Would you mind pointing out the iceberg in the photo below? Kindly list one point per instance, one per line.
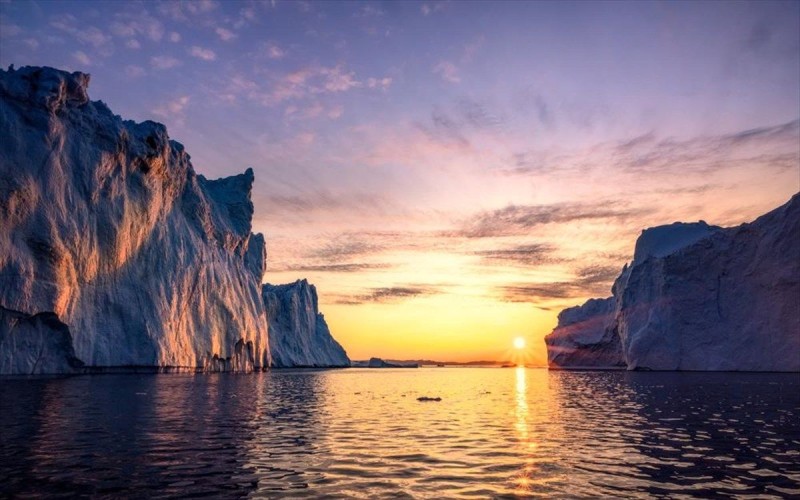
(113, 251)
(696, 297)
(298, 333)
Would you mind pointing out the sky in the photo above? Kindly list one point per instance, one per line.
(450, 175)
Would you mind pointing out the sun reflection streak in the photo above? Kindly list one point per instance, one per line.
(522, 480)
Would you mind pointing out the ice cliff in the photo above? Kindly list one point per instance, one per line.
(113, 251)
(585, 337)
(298, 333)
(696, 297)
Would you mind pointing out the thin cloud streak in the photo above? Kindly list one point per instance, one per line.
(521, 219)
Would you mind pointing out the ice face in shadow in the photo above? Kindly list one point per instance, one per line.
(585, 337)
(105, 228)
(298, 333)
(729, 301)
(696, 297)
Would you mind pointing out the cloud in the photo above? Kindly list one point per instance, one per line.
(331, 268)
(369, 10)
(225, 35)
(454, 127)
(379, 83)
(174, 37)
(428, 9)
(134, 71)
(445, 129)
(32, 43)
(345, 246)
(273, 51)
(477, 115)
(200, 6)
(184, 10)
(531, 255)
(201, 53)
(87, 35)
(94, 36)
(388, 294)
(173, 110)
(323, 201)
(590, 281)
(82, 58)
(338, 80)
(598, 274)
(447, 71)
(472, 48)
(163, 62)
(521, 219)
(335, 112)
(137, 24)
(314, 110)
(9, 30)
(133, 44)
(308, 81)
(772, 147)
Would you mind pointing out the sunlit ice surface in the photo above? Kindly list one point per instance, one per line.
(360, 433)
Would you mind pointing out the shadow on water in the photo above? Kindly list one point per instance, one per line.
(713, 434)
(178, 435)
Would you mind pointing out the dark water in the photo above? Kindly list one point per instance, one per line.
(362, 433)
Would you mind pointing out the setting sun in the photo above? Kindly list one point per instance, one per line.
(519, 343)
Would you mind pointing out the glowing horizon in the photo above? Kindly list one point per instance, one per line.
(451, 175)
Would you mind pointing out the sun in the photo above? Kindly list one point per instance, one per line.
(519, 343)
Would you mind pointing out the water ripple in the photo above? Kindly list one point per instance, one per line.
(504, 433)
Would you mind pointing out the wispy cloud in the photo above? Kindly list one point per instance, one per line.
(173, 110)
(331, 268)
(225, 35)
(379, 83)
(308, 81)
(273, 51)
(82, 58)
(345, 246)
(164, 62)
(86, 35)
(138, 23)
(520, 219)
(429, 8)
(458, 124)
(323, 201)
(591, 281)
(531, 255)
(202, 53)
(772, 147)
(447, 71)
(9, 30)
(185, 10)
(389, 294)
(134, 71)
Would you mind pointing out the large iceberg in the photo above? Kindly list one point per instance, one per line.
(697, 297)
(298, 333)
(113, 251)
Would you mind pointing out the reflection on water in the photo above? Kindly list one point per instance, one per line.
(363, 433)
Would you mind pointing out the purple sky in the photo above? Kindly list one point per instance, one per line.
(450, 174)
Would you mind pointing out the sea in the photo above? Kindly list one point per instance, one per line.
(364, 433)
